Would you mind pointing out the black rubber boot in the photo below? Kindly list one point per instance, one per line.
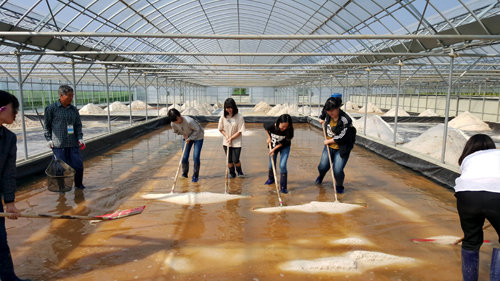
(240, 172)
(470, 265)
(319, 179)
(232, 172)
(340, 189)
(79, 179)
(196, 172)
(283, 183)
(270, 177)
(495, 265)
(185, 170)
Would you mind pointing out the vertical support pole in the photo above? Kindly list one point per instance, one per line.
(366, 98)
(447, 108)
(400, 64)
(484, 99)
(107, 97)
(75, 97)
(319, 98)
(129, 98)
(21, 102)
(157, 96)
(146, 93)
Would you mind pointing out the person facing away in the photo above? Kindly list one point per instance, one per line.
(192, 133)
(63, 132)
(232, 126)
(279, 135)
(9, 106)
(340, 138)
(477, 190)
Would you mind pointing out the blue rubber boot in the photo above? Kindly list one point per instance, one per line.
(283, 183)
(185, 170)
(240, 172)
(232, 172)
(270, 177)
(470, 265)
(196, 172)
(495, 265)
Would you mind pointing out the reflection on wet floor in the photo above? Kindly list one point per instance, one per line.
(228, 240)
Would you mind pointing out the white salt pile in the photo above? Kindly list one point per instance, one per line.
(370, 109)
(377, 128)
(428, 113)
(313, 207)
(17, 124)
(358, 241)
(190, 111)
(430, 141)
(163, 111)
(275, 111)
(192, 198)
(139, 105)
(262, 107)
(91, 108)
(350, 106)
(351, 262)
(204, 109)
(466, 121)
(392, 112)
(117, 107)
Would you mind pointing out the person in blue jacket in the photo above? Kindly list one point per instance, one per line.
(9, 106)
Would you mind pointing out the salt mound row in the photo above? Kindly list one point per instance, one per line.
(17, 124)
(313, 207)
(117, 107)
(280, 109)
(352, 241)
(176, 106)
(392, 112)
(262, 107)
(349, 106)
(370, 109)
(351, 262)
(430, 141)
(91, 108)
(139, 105)
(377, 128)
(428, 113)
(468, 122)
(190, 111)
(192, 198)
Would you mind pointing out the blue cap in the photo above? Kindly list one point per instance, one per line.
(336, 95)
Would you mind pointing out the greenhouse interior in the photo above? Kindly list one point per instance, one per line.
(417, 78)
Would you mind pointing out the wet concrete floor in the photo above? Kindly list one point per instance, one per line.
(230, 241)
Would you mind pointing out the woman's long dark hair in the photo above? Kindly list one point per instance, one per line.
(286, 118)
(476, 143)
(229, 102)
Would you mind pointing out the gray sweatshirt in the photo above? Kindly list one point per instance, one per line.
(189, 127)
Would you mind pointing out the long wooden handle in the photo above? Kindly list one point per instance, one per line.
(275, 179)
(331, 166)
(178, 167)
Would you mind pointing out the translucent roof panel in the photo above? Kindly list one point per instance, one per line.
(260, 17)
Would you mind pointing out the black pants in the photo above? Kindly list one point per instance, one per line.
(234, 154)
(473, 208)
(6, 265)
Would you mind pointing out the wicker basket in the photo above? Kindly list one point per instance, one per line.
(60, 176)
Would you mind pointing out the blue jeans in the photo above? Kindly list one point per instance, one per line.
(338, 165)
(198, 144)
(284, 152)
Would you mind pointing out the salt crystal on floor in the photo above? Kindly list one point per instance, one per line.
(192, 198)
(313, 207)
(351, 262)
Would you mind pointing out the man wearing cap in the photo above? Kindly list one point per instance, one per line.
(340, 138)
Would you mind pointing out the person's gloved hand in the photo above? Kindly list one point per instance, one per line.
(82, 144)
(50, 144)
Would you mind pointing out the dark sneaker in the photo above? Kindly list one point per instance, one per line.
(269, 181)
(80, 186)
(194, 179)
(340, 189)
(184, 176)
(284, 190)
(318, 180)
